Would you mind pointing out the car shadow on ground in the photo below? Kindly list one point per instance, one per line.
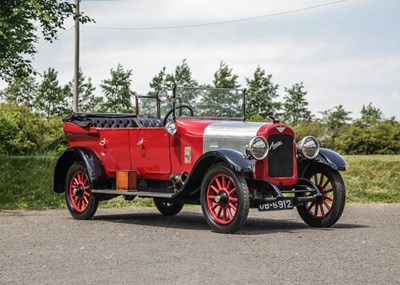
(195, 221)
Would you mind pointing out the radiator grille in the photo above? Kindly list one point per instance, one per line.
(280, 156)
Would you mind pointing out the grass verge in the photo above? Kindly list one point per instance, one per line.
(27, 182)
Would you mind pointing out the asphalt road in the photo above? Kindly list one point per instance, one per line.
(138, 246)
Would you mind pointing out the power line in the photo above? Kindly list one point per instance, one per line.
(220, 22)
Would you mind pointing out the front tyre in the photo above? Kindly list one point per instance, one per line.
(224, 199)
(327, 211)
(81, 203)
(168, 208)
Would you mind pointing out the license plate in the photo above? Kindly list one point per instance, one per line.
(284, 204)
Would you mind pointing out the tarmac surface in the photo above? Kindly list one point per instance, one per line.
(139, 246)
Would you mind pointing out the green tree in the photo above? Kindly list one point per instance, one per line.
(224, 78)
(226, 100)
(87, 101)
(21, 23)
(335, 118)
(261, 93)
(295, 106)
(20, 91)
(159, 82)
(52, 99)
(117, 91)
(370, 115)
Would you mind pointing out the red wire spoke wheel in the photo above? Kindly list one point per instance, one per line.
(81, 203)
(326, 211)
(79, 191)
(224, 199)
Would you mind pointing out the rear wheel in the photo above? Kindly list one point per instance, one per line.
(327, 211)
(168, 208)
(81, 203)
(224, 199)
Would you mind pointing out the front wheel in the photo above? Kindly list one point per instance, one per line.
(224, 199)
(168, 208)
(81, 203)
(327, 211)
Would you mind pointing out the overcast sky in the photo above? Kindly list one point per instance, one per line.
(347, 52)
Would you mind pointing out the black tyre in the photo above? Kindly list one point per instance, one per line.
(168, 208)
(81, 203)
(327, 211)
(224, 199)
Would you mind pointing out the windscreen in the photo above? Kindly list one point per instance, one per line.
(212, 102)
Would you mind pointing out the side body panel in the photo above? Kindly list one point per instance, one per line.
(150, 153)
(110, 144)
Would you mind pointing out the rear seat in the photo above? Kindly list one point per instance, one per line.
(149, 122)
(114, 120)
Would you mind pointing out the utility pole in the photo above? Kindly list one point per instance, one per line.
(76, 76)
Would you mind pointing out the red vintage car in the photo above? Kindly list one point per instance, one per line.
(201, 151)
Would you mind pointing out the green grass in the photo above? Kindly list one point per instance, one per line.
(27, 182)
(373, 179)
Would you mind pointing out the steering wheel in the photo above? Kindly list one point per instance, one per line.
(176, 108)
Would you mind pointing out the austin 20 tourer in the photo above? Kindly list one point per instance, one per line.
(194, 146)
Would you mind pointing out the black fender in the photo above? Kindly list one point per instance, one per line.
(325, 156)
(234, 159)
(92, 162)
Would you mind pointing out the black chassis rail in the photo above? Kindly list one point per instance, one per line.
(302, 186)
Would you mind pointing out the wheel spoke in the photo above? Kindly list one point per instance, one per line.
(321, 180)
(219, 212)
(232, 191)
(328, 191)
(229, 184)
(326, 184)
(316, 210)
(328, 207)
(322, 210)
(223, 182)
(230, 217)
(232, 207)
(218, 183)
(214, 206)
(233, 199)
(86, 201)
(214, 189)
(225, 217)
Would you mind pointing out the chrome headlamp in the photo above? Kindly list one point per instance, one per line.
(308, 147)
(257, 148)
(171, 128)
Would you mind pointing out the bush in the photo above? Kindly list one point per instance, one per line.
(24, 132)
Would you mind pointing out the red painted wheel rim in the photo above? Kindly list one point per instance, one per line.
(222, 200)
(320, 209)
(79, 191)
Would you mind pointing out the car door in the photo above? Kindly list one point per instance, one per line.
(150, 153)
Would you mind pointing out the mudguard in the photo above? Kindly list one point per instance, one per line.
(93, 164)
(236, 160)
(325, 156)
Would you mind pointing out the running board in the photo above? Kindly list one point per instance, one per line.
(134, 193)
